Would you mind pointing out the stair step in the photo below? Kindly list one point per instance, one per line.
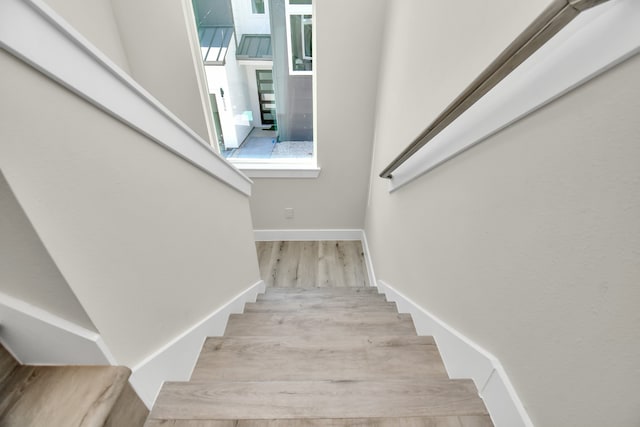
(69, 395)
(313, 358)
(321, 304)
(452, 421)
(275, 293)
(329, 324)
(231, 400)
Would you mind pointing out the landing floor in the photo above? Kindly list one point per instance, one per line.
(325, 264)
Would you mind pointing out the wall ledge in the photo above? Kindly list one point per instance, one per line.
(35, 336)
(34, 33)
(595, 41)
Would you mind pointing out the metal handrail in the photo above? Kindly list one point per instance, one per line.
(555, 17)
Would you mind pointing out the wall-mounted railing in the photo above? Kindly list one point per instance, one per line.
(542, 29)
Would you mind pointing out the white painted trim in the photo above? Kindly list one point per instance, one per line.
(274, 170)
(464, 358)
(307, 235)
(33, 32)
(368, 260)
(37, 337)
(595, 41)
(175, 360)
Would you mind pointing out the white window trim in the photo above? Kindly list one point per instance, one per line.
(295, 9)
(284, 168)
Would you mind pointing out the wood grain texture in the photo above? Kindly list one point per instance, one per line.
(484, 421)
(317, 399)
(62, 396)
(7, 365)
(128, 411)
(310, 358)
(352, 304)
(288, 294)
(337, 323)
(480, 421)
(312, 264)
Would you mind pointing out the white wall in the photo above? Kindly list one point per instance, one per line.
(27, 272)
(528, 243)
(96, 21)
(247, 22)
(232, 109)
(160, 40)
(346, 80)
(149, 244)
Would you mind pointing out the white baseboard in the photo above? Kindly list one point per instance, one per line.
(307, 235)
(465, 359)
(37, 337)
(175, 361)
(368, 261)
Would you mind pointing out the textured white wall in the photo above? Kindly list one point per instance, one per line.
(528, 243)
(346, 64)
(149, 244)
(27, 272)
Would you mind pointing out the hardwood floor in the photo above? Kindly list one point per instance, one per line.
(73, 396)
(319, 357)
(324, 264)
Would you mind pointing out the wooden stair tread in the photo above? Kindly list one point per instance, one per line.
(290, 292)
(62, 395)
(334, 323)
(307, 357)
(320, 304)
(451, 421)
(316, 399)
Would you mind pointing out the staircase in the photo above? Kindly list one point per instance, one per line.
(69, 396)
(319, 357)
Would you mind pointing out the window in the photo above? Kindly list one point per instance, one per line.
(299, 36)
(263, 113)
(257, 7)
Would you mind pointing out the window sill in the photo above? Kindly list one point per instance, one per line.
(278, 170)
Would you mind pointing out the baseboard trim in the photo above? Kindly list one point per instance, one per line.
(368, 260)
(35, 336)
(463, 358)
(176, 359)
(307, 235)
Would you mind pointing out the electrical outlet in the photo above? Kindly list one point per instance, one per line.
(288, 213)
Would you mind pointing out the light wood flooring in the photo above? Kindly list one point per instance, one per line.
(312, 264)
(74, 396)
(319, 357)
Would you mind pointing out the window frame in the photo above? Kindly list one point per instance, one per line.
(298, 10)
